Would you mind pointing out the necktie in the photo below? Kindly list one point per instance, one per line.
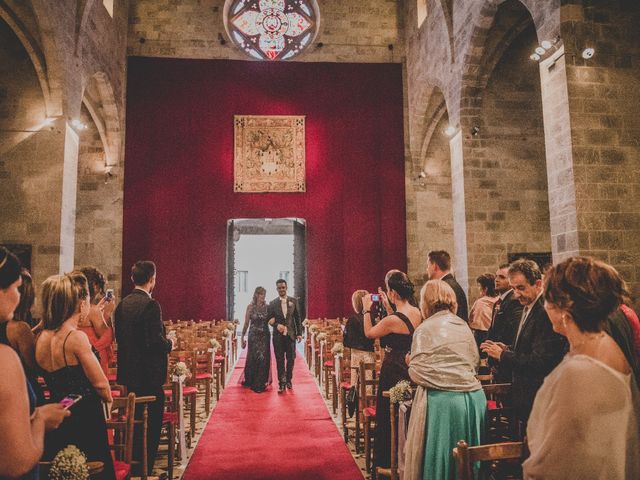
(496, 309)
(525, 312)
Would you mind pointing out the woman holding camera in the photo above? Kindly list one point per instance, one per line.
(70, 368)
(396, 331)
(97, 323)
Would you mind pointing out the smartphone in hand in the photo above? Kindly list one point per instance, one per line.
(70, 400)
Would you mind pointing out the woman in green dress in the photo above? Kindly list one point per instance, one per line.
(450, 404)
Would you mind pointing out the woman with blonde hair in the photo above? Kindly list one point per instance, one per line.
(354, 337)
(22, 425)
(71, 368)
(449, 404)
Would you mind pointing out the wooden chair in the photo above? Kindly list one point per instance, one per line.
(344, 387)
(170, 424)
(143, 422)
(500, 421)
(122, 424)
(392, 471)
(202, 374)
(368, 408)
(466, 456)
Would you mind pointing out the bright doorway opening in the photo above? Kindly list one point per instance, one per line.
(259, 252)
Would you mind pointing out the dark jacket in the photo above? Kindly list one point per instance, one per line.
(506, 318)
(619, 328)
(354, 336)
(292, 320)
(461, 297)
(142, 343)
(537, 351)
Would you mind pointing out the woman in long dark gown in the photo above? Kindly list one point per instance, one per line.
(396, 332)
(257, 370)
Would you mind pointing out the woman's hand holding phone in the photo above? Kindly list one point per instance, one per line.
(52, 415)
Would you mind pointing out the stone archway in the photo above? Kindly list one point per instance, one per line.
(501, 144)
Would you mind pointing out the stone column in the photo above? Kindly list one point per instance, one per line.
(460, 260)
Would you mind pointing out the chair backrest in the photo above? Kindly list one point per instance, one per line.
(122, 423)
(466, 456)
(365, 381)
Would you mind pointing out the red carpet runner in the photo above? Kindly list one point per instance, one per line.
(271, 436)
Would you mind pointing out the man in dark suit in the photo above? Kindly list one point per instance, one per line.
(536, 349)
(507, 312)
(285, 318)
(439, 268)
(142, 352)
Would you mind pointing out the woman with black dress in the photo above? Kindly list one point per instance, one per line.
(70, 367)
(257, 370)
(396, 332)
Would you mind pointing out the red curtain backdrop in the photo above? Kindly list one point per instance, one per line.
(178, 186)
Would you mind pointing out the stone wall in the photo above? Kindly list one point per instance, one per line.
(350, 31)
(57, 57)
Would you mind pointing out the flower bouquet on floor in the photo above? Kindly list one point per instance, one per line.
(69, 464)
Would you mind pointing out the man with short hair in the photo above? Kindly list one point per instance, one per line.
(439, 268)
(284, 316)
(142, 353)
(507, 312)
(536, 349)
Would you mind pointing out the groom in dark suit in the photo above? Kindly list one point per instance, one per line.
(287, 328)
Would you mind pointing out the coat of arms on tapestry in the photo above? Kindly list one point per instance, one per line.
(269, 153)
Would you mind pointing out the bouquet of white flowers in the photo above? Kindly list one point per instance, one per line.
(401, 392)
(305, 322)
(69, 464)
(215, 344)
(231, 326)
(236, 322)
(322, 337)
(226, 333)
(180, 370)
(313, 329)
(338, 349)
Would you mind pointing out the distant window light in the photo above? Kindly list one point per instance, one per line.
(422, 11)
(108, 4)
(285, 276)
(242, 281)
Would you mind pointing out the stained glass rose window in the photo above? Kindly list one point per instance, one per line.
(272, 29)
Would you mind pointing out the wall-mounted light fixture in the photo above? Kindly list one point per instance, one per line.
(78, 125)
(545, 49)
(450, 131)
(588, 53)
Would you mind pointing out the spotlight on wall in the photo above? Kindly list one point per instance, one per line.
(422, 174)
(450, 131)
(475, 130)
(588, 53)
(78, 125)
(319, 45)
(546, 48)
(108, 173)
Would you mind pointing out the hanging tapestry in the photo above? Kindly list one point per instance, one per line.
(269, 154)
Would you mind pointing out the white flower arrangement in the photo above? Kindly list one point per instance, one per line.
(69, 464)
(322, 337)
(313, 329)
(214, 344)
(305, 322)
(231, 326)
(227, 333)
(401, 392)
(236, 322)
(337, 349)
(180, 370)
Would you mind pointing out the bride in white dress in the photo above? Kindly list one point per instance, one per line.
(584, 423)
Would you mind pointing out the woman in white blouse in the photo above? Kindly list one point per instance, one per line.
(449, 404)
(584, 422)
